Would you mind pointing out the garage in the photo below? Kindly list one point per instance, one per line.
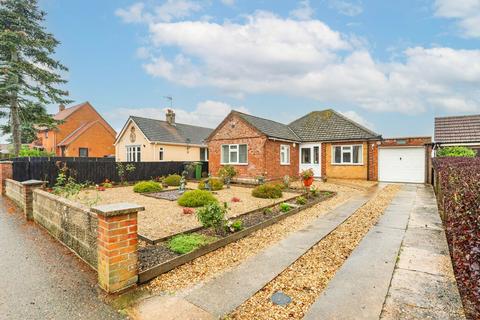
(401, 164)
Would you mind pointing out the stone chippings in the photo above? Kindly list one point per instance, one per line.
(218, 261)
(317, 266)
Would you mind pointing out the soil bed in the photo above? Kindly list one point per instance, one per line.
(154, 255)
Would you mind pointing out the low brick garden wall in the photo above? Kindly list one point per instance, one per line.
(71, 223)
(14, 190)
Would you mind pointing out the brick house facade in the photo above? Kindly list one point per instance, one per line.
(82, 132)
(267, 143)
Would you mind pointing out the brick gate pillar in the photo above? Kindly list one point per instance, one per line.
(28, 187)
(117, 245)
(6, 172)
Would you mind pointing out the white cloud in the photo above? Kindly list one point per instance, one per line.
(228, 2)
(170, 10)
(266, 53)
(207, 113)
(467, 12)
(132, 14)
(304, 11)
(358, 118)
(348, 8)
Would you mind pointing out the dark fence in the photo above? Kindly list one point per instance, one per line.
(94, 170)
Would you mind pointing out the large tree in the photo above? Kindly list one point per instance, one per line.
(29, 76)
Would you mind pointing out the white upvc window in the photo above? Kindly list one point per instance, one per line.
(133, 154)
(203, 154)
(161, 154)
(284, 154)
(234, 154)
(347, 154)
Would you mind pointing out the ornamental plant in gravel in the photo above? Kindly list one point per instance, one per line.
(172, 180)
(212, 215)
(186, 243)
(267, 191)
(147, 186)
(215, 184)
(459, 199)
(196, 198)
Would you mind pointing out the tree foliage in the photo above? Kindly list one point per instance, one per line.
(456, 152)
(29, 77)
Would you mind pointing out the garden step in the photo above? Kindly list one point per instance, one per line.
(225, 293)
(359, 287)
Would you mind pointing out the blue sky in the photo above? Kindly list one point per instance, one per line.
(392, 65)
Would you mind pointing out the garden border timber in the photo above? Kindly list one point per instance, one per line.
(149, 274)
(158, 240)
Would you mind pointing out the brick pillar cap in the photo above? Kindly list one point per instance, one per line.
(6, 161)
(117, 209)
(32, 182)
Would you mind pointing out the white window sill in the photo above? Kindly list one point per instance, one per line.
(347, 164)
(284, 164)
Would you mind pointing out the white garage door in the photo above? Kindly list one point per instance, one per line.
(401, 164)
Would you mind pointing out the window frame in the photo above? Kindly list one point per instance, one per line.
(205, 153)
(80, 152)
(161, 154)
(342, 152)
(236, 150)
(285, 149)
(136, 155)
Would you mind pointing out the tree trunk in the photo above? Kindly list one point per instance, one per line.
(15, 112)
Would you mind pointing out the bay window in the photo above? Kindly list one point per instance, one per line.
(348, 154)
(133, 154)
(234, 154)
(284, 154)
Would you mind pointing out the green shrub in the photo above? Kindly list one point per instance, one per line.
(227, 172)
(172, 180)
(301, 200)
(212, 215)
(267, 191)
(107, 185)
(185, 243)
(147, 186)
(234, 226)
(285, 207)
(267, 211)
(456, 152)
(196, 198)
(314, 191)
(215, 184)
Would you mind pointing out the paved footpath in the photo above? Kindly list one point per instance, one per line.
(400, 270)
(41, 279)
(223, 294)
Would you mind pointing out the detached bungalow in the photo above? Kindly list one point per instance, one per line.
(324, 141)
(143, 139)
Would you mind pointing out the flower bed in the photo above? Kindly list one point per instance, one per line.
(157, 259)
(458, 192)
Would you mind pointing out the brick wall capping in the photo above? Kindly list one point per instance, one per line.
(117, 209)
(6, 161)
(33, 183)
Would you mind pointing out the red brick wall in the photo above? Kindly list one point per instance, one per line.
(235, 131)
(273, 167)
(411, 141)
(97, 139)
(373, 161)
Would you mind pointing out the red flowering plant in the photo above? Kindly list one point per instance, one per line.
(188, 211)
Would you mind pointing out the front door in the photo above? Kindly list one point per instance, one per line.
(310, 158)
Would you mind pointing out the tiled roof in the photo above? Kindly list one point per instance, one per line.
(457, 129)
(329, 125)
(62, 115)
(268, 127)
(76, 133)
(162, 131)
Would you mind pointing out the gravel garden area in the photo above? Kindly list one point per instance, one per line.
(211, 264)
(317, 266)
(163, 218)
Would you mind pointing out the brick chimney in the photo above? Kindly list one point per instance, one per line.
(170, 117)
(61, 107)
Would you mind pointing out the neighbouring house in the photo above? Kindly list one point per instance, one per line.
(82, 132)
(327, 142)
(143, 139)
(458, 131)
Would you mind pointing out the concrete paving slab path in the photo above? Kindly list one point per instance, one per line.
(359, 288)
(223, 294)
(423, 284)
(41, 279)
